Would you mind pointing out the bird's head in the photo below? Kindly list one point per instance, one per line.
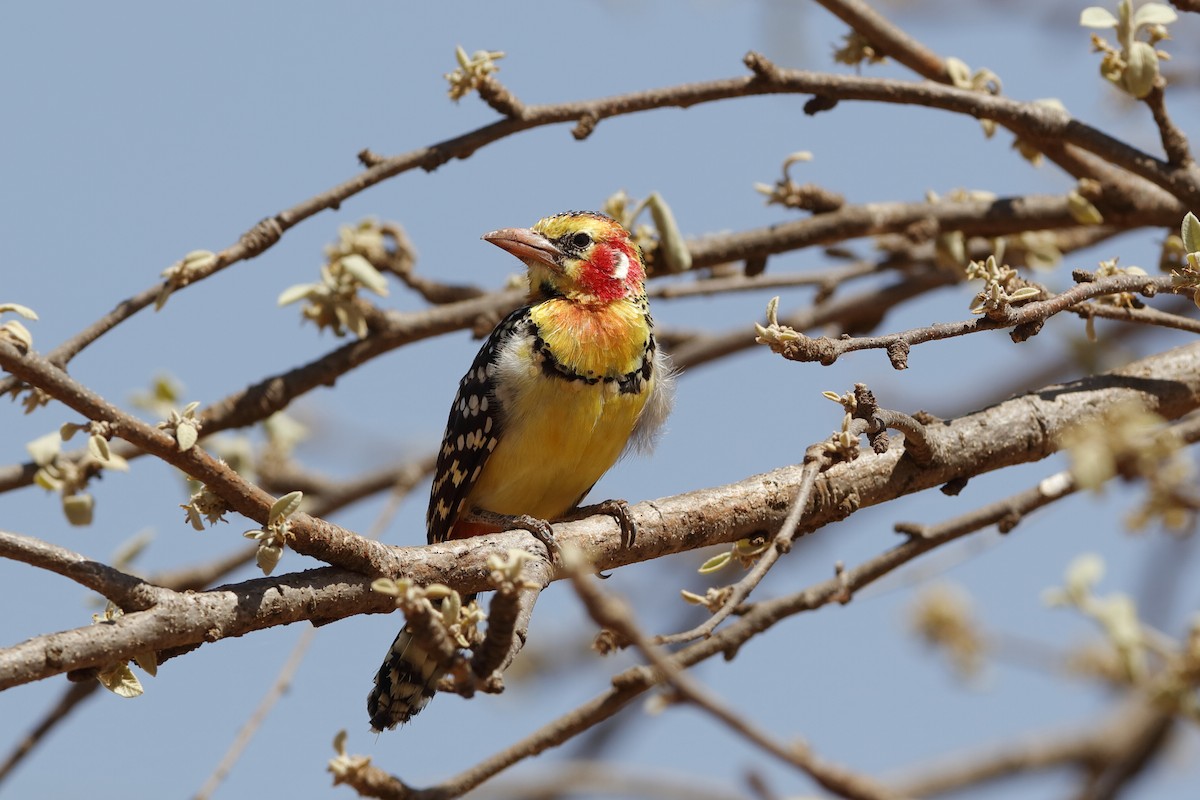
(580, 255)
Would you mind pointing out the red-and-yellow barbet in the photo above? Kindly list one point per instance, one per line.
(563, 386)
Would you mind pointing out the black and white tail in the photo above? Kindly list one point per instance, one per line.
(404, 684)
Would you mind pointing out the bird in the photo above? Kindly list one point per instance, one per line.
(561, 389)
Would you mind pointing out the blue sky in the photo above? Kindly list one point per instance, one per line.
(138, 132)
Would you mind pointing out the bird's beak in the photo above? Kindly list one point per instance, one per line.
(527, 245)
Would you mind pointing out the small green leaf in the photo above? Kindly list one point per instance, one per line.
(773, 311)
(1082, 210)
(98, 447)
(1096, 17)
(1154, 14)
(69, 429)
(268, 557)
(1084, 572)
(18, 333)
(352, 319)
(438, 591)
(284, 507)
(670, 241)
(147, 660)
(199, 259)
(959, 72)
(1141, 70)
(365, 273)
(186, 435)
(44, 448)
(120, 680)
(116, 463)
(194, 519)
(164, 294)
(1190, 233)
(79, 508)
(745, 548)
(17, 308)
(293, 293)
(451, 607)
(385, 586)
(47, 481)
(715, 563)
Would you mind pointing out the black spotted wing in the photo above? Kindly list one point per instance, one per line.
(474, 427)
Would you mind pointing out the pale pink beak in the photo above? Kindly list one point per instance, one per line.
(527, 245)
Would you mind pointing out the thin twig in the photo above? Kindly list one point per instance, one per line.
(1174, 141)
(889, 39)
(282, 682)
(860, 311)
(724, 284)
(70, 699)
(599, 778)
(307, 535)
(1144, 316)
(1005, 514)
(1028, 120)
(402, 480)
(610, 612)
(1091, 748)
(781, 543)
(127, 591)
(1021, 318)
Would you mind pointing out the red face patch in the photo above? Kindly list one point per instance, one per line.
(611, 271)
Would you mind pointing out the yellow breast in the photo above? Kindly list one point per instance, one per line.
(560, 434)
(593, 343)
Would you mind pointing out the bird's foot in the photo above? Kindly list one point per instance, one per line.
(540, 528)
(618, 510)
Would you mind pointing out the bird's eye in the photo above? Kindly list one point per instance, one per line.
(580, 240)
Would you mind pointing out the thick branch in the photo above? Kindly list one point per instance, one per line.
(307, 535)
(395, 329)
(888, 39)
(128, 592)
(1168, 383)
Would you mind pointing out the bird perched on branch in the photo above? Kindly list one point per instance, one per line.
(563, 386)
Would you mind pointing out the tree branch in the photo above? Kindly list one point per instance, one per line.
(1029, 120)
(394, 329)
(1025, 319)
(888, 39)
(609, 612)
(126, 591)
(1094, 748)
(70, 699)
(1167, 383)
(308, 535)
